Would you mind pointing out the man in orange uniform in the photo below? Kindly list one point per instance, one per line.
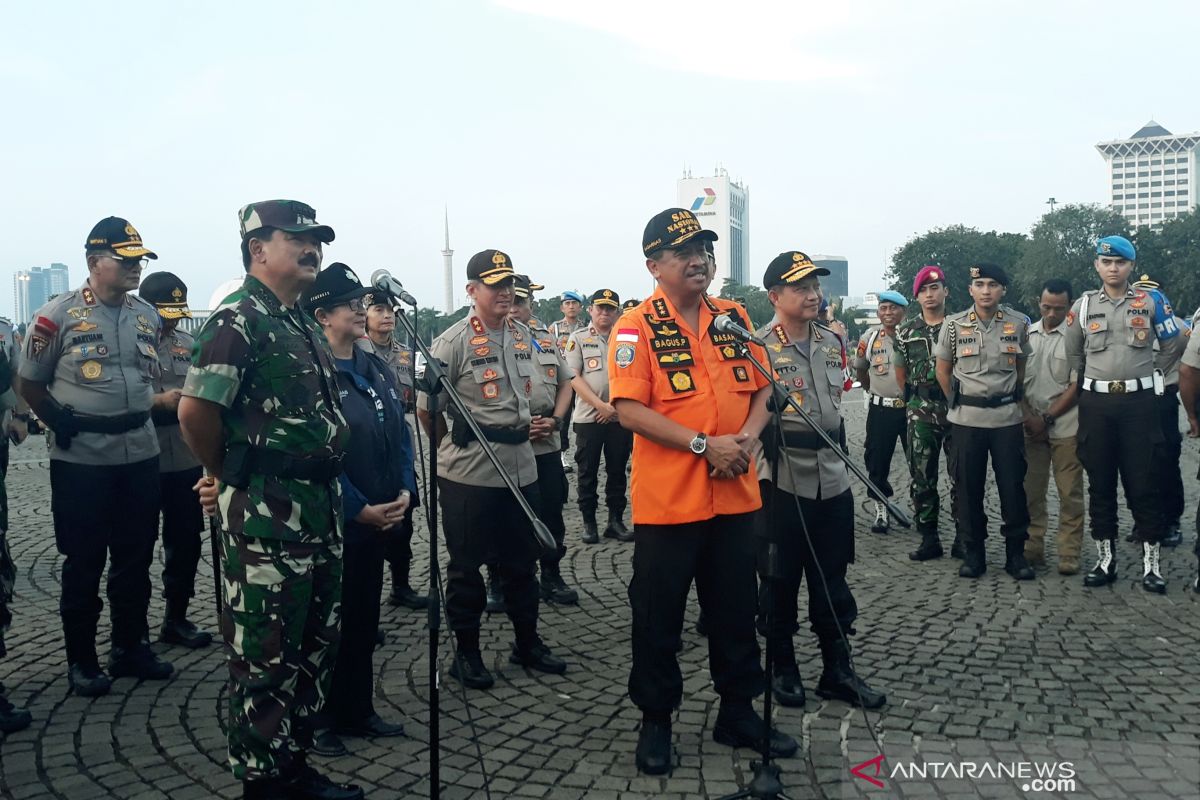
(696, 408)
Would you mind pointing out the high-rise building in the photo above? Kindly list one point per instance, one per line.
(722, 205)
(33, 287)
(1152, 174)
(836, 284)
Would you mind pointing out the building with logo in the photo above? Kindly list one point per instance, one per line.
(1152, 174)
(33, 287)
(722, 205)
(837, 283)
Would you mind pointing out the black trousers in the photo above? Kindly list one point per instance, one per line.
(885, 426)
(398, 548)
(104, 512)
(182, 524)
(719, 555)
(352, 690)
(485, 525)
(593, 439)
(1167, 473)
(564, 431)
(552, 488)
(1006, 446)
(1120, 435)
(829, 545)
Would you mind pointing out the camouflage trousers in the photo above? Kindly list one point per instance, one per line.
(280, 623)
(927, 435)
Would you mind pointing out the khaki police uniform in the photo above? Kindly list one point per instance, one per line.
(1047, 375)
(587, 358)
(985, 415)
(1120, 432)
(562, 330)
(886, 418)
(494, 371)
(552, 373)
(100, 361)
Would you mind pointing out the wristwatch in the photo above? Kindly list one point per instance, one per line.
(699, 444)
(1048, 419)
(558, 423)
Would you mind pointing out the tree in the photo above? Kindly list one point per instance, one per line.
(1063, 245)
(757, 304)
(1171, 256)
(955, 249)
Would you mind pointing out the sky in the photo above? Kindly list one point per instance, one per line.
(554, 129)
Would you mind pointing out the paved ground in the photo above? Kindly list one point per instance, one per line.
(984, 677)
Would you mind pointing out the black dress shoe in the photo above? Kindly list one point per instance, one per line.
(406, 597)
(538, 658)
(88, 680)
(739, 725)
(654, 748)
(13, 719)
(138, 662)
(468, 668)
(308, 784)
(184, 632)
(788, 689)
(329, 744)
(373, 727)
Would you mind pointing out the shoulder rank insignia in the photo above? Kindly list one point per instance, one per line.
(780, 334)
(660, 308)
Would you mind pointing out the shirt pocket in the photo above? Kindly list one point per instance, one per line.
(548, 363)
(1060, 369)
(487, 378)
(881, 362)
(836, 381)
(1137, 329)
(149, 367)
(679, 384)
(1097, 334)
(593, 361)
(288, 380)
(92, 364)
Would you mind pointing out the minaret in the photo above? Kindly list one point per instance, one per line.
(448, 267)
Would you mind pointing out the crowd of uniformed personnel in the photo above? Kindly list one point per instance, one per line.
(286, 420)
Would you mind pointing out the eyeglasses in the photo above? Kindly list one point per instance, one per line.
(129, 263)
(356, 305)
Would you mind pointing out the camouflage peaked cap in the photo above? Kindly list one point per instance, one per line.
(286, 215)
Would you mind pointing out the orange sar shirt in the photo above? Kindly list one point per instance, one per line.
(697, 379)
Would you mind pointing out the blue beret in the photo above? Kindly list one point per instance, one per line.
(1116, 246)
(576, 296)
(893, 297)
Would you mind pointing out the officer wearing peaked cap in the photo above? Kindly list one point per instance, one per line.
(179, 469)
(261, 410)
(981, 356)
(1109, 341)
(489, 360)
(88, 370)
(571, 305)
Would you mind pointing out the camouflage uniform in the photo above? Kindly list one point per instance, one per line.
(269, 368)
(928, 430)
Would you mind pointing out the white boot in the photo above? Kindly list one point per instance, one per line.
(880, 525)
(1152, 580)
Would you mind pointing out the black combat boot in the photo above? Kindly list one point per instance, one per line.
(86, 679)
(1105, 571)
(653, 755)
(616, 527)
(495, 596)
(12, 719)
(305, 783)
(840, 682)
(786, 685)
(957, 548)
(1015, 563)
(1152, 579)
(931, 546)
(591, 534)
(975, 562)
(178, 629)
(739, 725)
(1174, 536)
(265, 789)
(402, 592)
(531, 653)
(139, 662)
(468, 666)
(555, 589)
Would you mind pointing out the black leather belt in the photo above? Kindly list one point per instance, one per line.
(118, 423)
(987, 402)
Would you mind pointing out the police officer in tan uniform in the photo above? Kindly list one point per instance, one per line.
(886, 420)
(490, 361)
(549, 405)
(88, 368)
(571, 305)
(179, 470)
(981, 356)
(1110, 333)
(598, 431)
(808, 505)
(381, 341)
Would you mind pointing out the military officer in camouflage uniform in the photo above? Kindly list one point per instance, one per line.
(549, 404)
(381, 341)
(182, 517)
(261, 411)
(886, 423)
(489, 360)
(11, 719)
(597, 430)
(1109, 343)
(928, 430)
(88, 369)
(981, 355)
(808, 505)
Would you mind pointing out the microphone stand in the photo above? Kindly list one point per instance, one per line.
(433, 382)
(766, 785)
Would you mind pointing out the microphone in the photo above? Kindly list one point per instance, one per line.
(382, 279)
(725, 324)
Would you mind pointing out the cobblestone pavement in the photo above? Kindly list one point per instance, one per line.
(982, 676)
